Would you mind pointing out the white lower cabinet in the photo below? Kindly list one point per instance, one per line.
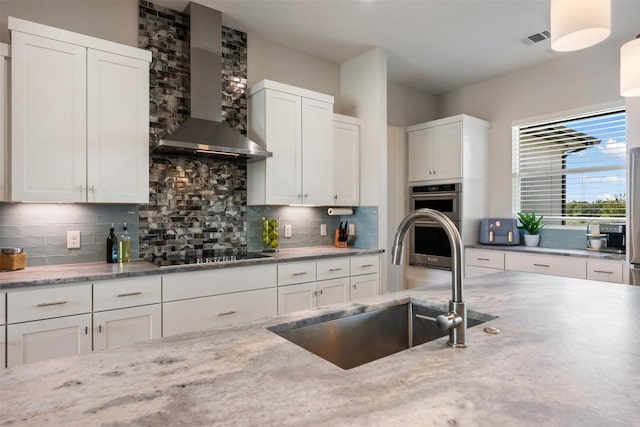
(478, 262)
(313, 294)
(364, 286)
(365, 278)
(565, 266)
(46, 339)
(200, 300)
(605, 270)
(204, 313)
(3, 328)
(486, 261)
(125, 326)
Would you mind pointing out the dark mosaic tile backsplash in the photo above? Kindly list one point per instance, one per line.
(197, 207)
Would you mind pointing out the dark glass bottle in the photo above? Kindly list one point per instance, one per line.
(112, 246)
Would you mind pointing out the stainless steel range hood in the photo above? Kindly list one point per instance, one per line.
(204, 133)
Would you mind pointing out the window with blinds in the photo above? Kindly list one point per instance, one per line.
(572, 170)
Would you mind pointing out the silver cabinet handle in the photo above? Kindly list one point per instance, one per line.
(47, 304)
(320, 291)
(86, 330)
(354, 286)
(129, 294)
(100, 329)
(300, 274)
(335, 269)
(315, 293)
(226, 313)
(483, 259)
(81, 189)
(93, 189)
(366, 265)
(602, 271)
(541, 265)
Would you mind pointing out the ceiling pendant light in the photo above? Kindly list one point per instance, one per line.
(630, 68)
(577, 24)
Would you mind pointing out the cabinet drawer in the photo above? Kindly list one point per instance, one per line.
(124, 293)
(216, 282)
(296, 272)
(46, 303)
(333, 268)
(205, 313)
(606, 271)
(547, 264)
(484, 258)
(365, 264)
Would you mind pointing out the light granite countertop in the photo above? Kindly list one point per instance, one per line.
(567, 355)
(582, 253)
(74, 273)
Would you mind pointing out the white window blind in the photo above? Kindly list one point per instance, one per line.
(572, 170)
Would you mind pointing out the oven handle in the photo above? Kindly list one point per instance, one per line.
(429, 223)
(434, 195)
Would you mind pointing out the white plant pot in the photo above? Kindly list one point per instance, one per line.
(531, 239)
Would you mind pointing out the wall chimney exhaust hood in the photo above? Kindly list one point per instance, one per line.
(204, 133)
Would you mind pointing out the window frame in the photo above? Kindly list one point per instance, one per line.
(560, 118)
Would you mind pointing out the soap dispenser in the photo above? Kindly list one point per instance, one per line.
(125, 245)
(112, 246)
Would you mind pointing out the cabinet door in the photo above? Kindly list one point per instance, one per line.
(118, 128)
(364, 286)
(3, 347)
(284, 138)
(46, 339)
(200, 314)
(333, 291)
(125, 326)
(317, 152)
(447, 145)
(346, 164)
(4, 122)
(48, 126)
(296, 297)
(421, 154)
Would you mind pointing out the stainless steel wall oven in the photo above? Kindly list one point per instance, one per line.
(429, 244)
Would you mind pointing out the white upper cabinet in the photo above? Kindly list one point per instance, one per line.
(296, 125)
(4, 121)
(346, 160)
(80, 117)
(438, 150)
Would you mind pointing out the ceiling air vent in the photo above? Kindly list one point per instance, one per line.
(537, 37)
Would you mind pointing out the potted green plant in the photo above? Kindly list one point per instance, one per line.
(531, 224)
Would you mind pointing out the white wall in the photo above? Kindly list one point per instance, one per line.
(407, 106)
(116, 21)
(363, 89)
(267, 60)
(573, 81)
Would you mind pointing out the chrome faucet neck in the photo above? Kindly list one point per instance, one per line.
(457, 318)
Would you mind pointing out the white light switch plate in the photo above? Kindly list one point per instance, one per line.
(352, 230)
(73, 239)
(323, 229)
(287, 230)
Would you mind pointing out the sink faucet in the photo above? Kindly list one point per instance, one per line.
(456, 320)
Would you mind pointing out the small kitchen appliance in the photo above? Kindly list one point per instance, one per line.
(499, 231)
(615, 237)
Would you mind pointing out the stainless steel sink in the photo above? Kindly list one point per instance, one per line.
(356, 339)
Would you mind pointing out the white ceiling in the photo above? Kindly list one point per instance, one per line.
(432, 45)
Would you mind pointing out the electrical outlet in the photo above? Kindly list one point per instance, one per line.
(287, 230)
(73, 239)
(352, 230)
(323, 229)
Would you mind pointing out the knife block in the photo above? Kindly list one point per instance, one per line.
(338, 243)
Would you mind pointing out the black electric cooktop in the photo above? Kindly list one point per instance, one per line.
(177, 260)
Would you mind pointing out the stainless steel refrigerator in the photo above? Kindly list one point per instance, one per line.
(633, 229)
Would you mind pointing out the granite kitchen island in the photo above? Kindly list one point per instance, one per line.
(567, 355)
